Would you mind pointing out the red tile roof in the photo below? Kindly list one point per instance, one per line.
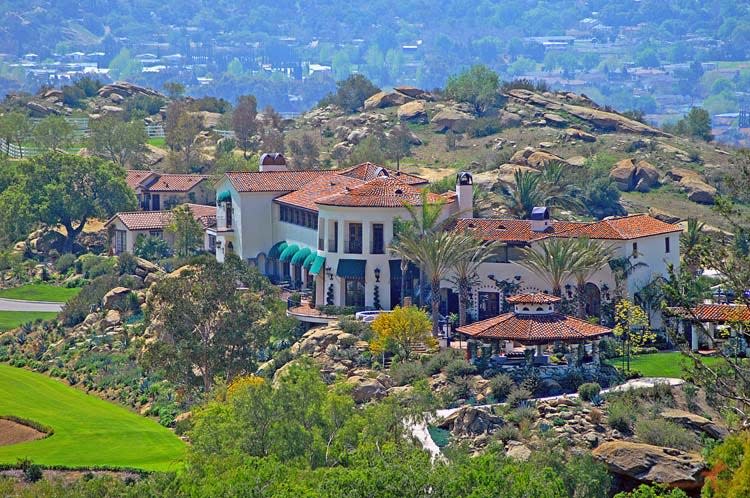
(176, 183)
(369, 171)
(534, 328)
(274, 181)
(133, 177)
(385, 192)
(322, 187)
(533, 298)
(518, 231)
(716, 313)
(158, 220)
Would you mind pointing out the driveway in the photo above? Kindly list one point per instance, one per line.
(31, 306)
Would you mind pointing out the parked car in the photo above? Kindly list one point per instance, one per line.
(368, 316)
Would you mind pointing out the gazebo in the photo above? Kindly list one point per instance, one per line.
(534, 322)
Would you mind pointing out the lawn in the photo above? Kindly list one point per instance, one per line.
(40, 292)
(660, 364)
(88, 431)
(160, 142)
(12, 319)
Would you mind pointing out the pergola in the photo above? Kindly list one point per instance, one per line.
(714, 318)
(536, 322)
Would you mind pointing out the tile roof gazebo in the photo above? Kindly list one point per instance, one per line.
(534, 321)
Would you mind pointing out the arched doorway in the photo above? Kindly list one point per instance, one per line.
(592, 299)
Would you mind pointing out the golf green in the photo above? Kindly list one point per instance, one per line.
(88, 431)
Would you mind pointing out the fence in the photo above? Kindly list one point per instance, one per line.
(155, 131)
(16, 152)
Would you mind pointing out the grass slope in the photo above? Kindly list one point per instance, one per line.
(12, 319)
(40, 292)
(88, 431)
(660, 364)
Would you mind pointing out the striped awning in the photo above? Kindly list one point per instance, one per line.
(289, 252)
(277, 249)
(300, 256)
(309, 260)
(318, 265)
(351, 268)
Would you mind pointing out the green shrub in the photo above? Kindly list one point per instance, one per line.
(662, 432)
(608, 348)
(523, 414)
(31, 471)
(588, 391)
(500, 386)
(437, 362)
(507, 433)
(458, 368)
(90, 298)
(518, 396)
(356, 327)
(126, 264)
(407, 372)
(484, 127)
(620, 415)
(65, 262)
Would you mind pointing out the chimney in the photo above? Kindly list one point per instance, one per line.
(540, 219)
(465, 193)
(272, 162)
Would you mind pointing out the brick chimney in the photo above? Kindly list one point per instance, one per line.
(465, 193)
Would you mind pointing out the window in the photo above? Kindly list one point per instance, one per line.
(501, 255)
(333, 242)
(321, 226)
(355, 238)
(635, 249)
(355, 292)
(212, 243)
(156, 233)
(666, 245)
(120, 241)
(377, 239)
(489, 305)
(228, 208)
(298, 217)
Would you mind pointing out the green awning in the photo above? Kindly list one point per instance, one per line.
(287, 253)
(224, 196)
(276, 250)
(351, 268)
(309, 260)
(300, 256)
(318, 264)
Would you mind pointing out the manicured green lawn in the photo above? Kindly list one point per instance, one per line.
(88, 431)
(660, 364)
(12, 319)
(160, 142)
(40, 292)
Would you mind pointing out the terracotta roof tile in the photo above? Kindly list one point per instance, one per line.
(533, 298)
(534, 328)
(512, 231)
(381, 192)
(370, 171)
(158, 220)
(274, 181)
(716, 312)
(322, 187)
(176, 183)
(623, 228)
(133, 177)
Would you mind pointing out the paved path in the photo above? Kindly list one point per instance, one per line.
(420, 432)
(31, 306)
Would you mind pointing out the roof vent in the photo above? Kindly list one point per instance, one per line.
(399, 191)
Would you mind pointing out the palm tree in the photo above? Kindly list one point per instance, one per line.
(402, 229)
(591, 256)
(472, 254)
(547, 188)
(554, 261)
(622, 268)
(692, 242)
(437, 254)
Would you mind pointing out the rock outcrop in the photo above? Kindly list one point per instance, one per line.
(693, 185)
(695, 422)
(471, 421)
(455, 118)
(629, 176)
(115, 299)
(652, 464)
(366, 389)
(413, 111)
(382, 100)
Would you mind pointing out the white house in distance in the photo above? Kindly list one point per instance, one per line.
(125, 228)
(331, 230)
(157, 191)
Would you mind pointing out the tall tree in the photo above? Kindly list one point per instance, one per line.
(70, 190)
(121, 142)
(53, 133)
(245, 123)
(213, 323)
(305, 152)
(477, 86)
(591, 256)
(15, 127)
(472, 254)
(693, 243)
(181, 129)
(398, 144)
(531, 189)
(553, 260)
(187, 231)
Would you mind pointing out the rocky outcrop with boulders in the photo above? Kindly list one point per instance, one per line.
(650, 464)
(471, 421)
(693, 184)
(414, 112)
(126, 90)
(454, 117)
(629, 176)
(382, 100)
(695, 422)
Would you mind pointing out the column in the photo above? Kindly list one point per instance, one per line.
(595, 352)
(539, 350)
(694, 337)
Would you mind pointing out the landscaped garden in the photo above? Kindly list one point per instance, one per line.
(670, 364)
(40, 292)
(88, 431)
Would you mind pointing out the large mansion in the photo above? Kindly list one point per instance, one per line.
(330, 231)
